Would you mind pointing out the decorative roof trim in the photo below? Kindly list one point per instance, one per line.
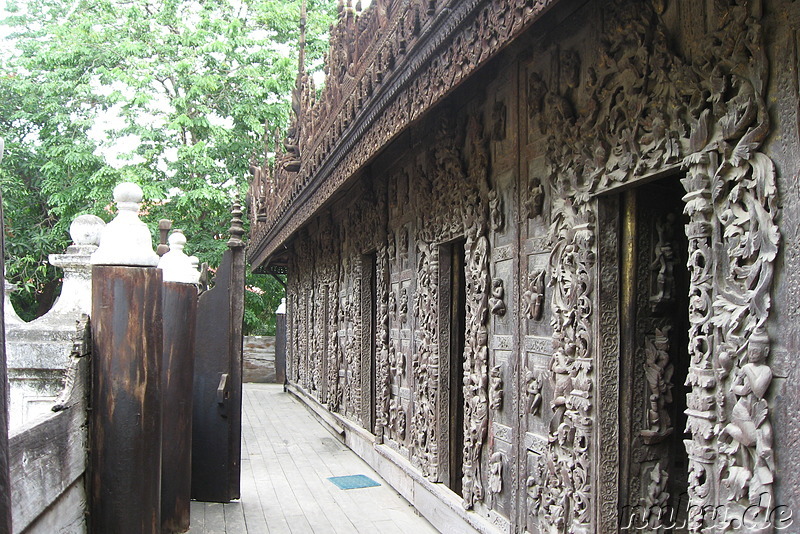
(457, 39)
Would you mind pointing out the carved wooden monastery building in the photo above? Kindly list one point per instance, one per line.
(542, 259)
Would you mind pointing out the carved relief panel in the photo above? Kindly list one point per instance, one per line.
(502, 450)
(614, 131)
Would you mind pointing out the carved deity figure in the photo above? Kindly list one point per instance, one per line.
(499, 121)
(654, 502)
(752, 466)
(533, 297)
(402, 247)
(570, 66)
(496, 473)
(533, 389)
(391, 247)
(402, 312)
(291, 156)
(536, 91)
(397, 419)
(658, 372)
(496, 218)
(496, 304)
(535, 202)
(663, 264)
(496, 387)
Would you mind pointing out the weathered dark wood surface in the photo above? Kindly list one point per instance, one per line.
(126, 400)
(216, 419)
(177, 372)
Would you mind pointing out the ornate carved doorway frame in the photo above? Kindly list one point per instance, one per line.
(642, 340)
(611, 143)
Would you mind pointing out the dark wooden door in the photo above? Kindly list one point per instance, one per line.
(217, 406)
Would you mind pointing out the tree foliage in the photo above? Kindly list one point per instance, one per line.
(190, 86)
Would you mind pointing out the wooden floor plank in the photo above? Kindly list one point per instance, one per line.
(287, 457)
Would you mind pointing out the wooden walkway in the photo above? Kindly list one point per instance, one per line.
(287, 457)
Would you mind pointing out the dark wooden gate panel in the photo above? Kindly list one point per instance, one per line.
(217, 406)
(180, 310)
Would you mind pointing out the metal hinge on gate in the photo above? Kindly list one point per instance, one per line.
(223, 394)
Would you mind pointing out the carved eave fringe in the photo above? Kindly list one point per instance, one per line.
(414, 57)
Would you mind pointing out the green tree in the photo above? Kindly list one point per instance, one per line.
(191, 85)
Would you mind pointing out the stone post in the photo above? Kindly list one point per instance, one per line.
(177, 372)
(38, 352)
(280, 343)
(125, 435)
(76, 291)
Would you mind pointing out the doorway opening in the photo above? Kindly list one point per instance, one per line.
(369, 321)
(372, 265)
(457, 325)
(654, 357)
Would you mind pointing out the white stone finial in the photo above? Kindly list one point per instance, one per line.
(76, 293)
(175, 264)
(282, 308)
(86, 230)
(11, 316)
(126, 240)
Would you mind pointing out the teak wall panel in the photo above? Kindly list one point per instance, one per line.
(533, 113)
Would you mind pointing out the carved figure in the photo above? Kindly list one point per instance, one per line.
(397, 419)
(496, 217)
(402, 312)
(391, 247)
(535, 201)
(392, 305)
(750, 430)
(496, 473)
(402, 247)
(655, 499)
(496, 304)
(658, 372)
(536, 91)
(499, 121)
(533, 390)
(496, 387)
(662, 291)
(570, 66)
(533, 297)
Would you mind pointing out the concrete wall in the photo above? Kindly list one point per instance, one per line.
(259, 359)
(48, 457)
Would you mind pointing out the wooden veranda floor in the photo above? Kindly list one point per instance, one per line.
(287, 457)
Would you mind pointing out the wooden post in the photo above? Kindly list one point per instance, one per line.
(125, 433)
(5, 486)
(126, 400)
(177, 373)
